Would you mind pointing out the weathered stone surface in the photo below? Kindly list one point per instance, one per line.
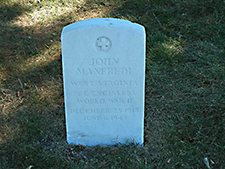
(104, 74)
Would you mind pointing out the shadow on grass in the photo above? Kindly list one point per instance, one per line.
(39, 138)
(9, 35)
(19, 101)
(19, 44)
(10, 12)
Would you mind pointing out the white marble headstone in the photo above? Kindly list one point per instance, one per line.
(104, 78)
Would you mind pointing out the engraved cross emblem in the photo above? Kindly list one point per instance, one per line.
(103, 44)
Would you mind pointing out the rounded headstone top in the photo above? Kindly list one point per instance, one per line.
(108, 22)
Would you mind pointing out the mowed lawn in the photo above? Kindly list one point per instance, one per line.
(185, 85)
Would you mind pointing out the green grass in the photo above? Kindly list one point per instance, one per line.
(185, 84)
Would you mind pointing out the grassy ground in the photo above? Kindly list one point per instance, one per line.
(185, 84)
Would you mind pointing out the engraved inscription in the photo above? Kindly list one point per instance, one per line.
(92, 111)
(103, 71)
(82, 83)
(91, 101)
(108, 118)
(104, 93)
(103, 101)
(118, 83)
(105, 83)
(120, 100)
(104, 61)
(103, 44)
(88, 111)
